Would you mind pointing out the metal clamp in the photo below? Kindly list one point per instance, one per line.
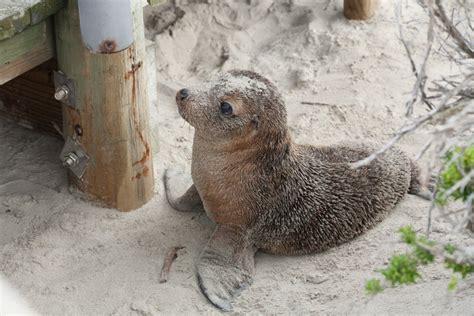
(65, 89)
(74, 157)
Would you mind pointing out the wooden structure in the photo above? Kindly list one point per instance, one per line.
(360, 9)
(26, 35)
(103, 97)
(27, 99)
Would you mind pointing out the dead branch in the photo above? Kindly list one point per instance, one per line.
(460, 255)
(463, 44)
(171, 255)
(411, 126)
(317, 103)
(423, 150)
(420, 76)
(451, 101)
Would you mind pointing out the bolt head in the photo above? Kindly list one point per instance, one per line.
(70, 159)
(61, 93)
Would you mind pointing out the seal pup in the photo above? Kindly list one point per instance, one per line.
(265, 192)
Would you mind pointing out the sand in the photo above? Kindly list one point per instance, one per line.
(342, 81)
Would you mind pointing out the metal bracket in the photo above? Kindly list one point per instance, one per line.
(65, 89)
(74, 157)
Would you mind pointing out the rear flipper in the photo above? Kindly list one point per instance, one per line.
(188, 202)
(424, 191)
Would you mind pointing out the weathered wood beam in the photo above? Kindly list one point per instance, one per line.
(26, 50)
(110, 91)
(360, 9)
(15, 16)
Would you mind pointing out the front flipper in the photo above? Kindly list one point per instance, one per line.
(188, 202)
(226, 266)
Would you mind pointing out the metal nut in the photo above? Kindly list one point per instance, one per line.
(61, 93)
(70, 159)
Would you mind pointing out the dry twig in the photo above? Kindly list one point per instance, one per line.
(420, 76)
(451, 103)
(412, 125)
(462, 43)
(171, 255)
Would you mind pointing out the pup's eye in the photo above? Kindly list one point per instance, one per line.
(226, 108)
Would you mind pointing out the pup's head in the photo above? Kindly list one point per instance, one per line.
(238, 103)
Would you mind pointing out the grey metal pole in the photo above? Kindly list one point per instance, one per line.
(106, 25)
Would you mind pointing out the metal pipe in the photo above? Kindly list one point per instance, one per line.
(106, 25)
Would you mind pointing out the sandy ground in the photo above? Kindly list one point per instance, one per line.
(68, 257)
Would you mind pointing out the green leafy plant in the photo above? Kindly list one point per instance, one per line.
(453, 282)
(459, 162)
(403, 268)
(373, 286)
(450, 109)
(463, 268)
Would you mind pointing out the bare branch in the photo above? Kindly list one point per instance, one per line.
(413, 125)
(423, 150)
(451, 102)
(419, 86)
(171, 255)
(461, 42)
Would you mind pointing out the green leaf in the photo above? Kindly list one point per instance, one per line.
(453, 172)
(401, 270)
(450, 248)
(373, 286)
(463, 268)
(408, 235)
(423, 255)
(453, 282)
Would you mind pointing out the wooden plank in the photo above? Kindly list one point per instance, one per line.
(15, 16)
(37, 53)
(25, 41)
(111, 90)
(44, 8)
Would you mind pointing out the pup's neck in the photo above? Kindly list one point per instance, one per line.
(272, 147)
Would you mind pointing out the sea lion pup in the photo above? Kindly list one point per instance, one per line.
(267, 193)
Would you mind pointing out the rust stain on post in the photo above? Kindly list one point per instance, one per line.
(144, 173)
(146, 153)
(108, 46)
(132, 71)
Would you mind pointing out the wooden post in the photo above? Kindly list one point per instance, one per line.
(111, 122)
(360, 9)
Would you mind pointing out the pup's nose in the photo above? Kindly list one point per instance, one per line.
(183, 94)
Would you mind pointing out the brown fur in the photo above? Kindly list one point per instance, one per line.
(296, 199)
(273, 194)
